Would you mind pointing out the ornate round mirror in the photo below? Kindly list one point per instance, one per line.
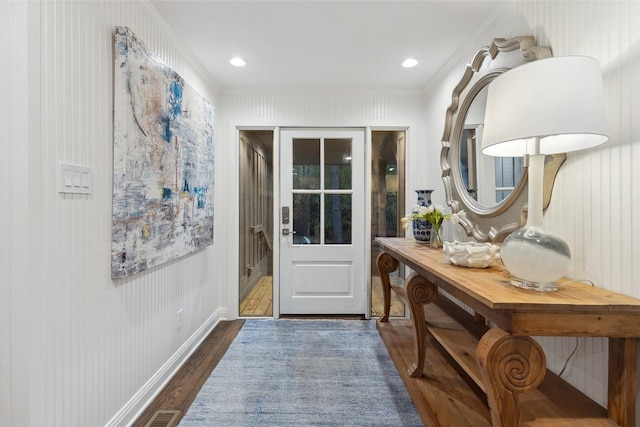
(491, 190)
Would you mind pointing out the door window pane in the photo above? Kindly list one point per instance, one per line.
(306, 164)
(337, 164)
(306, 219)
(337, 219)
(387, 207)
(508, 173)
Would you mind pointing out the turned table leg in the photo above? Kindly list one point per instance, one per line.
(419, 292)
(386, 264)
(509, 365)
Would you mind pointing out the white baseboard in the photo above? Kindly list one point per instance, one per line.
(138, 403)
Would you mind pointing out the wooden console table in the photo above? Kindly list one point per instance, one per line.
(506, 362)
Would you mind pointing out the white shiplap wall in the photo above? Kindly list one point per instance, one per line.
(316, 108)
(596, 195)
(77, 348)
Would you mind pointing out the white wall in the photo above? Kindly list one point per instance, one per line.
(595, 199)
(77, 348)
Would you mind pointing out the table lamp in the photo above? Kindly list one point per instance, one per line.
(553, 105)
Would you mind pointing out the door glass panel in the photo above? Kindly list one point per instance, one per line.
(468, 166)
(337, 219)
(508, 172)
(255, 211)
(337, 164)
(387, 207)
(306, 164)
(306, 219)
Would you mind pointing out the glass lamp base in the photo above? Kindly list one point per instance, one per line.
(534, 286)
(535, 258)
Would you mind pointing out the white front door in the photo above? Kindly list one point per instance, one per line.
(322, 222)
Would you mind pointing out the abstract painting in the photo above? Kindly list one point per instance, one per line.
(163, 162)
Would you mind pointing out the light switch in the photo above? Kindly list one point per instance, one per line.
(68, 177)
(74, 179)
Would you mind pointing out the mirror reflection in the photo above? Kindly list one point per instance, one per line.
(488, 180)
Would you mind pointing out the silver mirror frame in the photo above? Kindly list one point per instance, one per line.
(492, 223)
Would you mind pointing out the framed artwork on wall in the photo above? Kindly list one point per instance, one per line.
(163, 162)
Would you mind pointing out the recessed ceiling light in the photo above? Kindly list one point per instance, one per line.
(238, 62)
(409, 62)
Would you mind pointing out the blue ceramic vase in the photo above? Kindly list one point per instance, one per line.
(422, 228)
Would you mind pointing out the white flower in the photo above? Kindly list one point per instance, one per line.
(405, 222)
(456, 217)
(432, 213)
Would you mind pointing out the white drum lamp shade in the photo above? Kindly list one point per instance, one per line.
(559, 100)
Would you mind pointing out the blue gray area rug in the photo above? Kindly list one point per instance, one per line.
(304, 373)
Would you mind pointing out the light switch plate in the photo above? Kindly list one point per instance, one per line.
(74, 179)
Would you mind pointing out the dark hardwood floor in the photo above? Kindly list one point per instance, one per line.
(182, 389)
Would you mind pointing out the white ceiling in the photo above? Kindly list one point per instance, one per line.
(325, 44)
